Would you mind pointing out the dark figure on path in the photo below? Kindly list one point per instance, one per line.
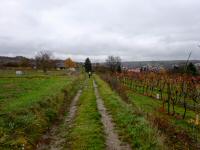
(89, 74)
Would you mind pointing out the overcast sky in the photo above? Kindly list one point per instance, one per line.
(131, 29)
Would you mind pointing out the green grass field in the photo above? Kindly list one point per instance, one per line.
(30, 103)
(30, 73)
(22, 92)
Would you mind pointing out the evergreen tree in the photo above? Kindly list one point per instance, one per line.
(119, 68)
(191, 69)
(88, 65)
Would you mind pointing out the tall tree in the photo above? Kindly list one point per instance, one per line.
(114, 63)
(191, 69)
(88, 65)
(119, 68)
(44, 60)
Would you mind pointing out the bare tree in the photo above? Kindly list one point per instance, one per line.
(44, 60)
(114, 63)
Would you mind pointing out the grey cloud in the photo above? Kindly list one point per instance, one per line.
(132, 29)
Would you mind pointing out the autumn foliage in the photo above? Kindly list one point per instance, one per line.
(69, 63)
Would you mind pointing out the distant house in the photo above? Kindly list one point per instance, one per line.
(197, 66)
(19, 73)
(175, 66)
(136, 70)
(124, 68)
(149, 68)
(60, 66)
(146, 68)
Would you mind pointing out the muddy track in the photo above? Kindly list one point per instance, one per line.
(54, 139)
(112, 138)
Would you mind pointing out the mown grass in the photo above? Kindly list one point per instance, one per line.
(19, 93)
(30, 105)
(30, 73)
(87, 131)
(131, 126)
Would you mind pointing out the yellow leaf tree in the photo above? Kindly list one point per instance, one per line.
(69, 63)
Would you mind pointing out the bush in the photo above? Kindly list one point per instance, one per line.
(51, 114)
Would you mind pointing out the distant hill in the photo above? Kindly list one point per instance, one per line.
(165, 64)
(128, 64)
(12, 61)
(17, 59)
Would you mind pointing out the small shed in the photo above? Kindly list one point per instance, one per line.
(19, 72)
(60, 66)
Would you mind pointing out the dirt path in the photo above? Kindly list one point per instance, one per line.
(112, 139)
(54, 140)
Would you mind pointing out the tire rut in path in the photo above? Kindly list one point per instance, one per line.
(112, 138)
(54, 137)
